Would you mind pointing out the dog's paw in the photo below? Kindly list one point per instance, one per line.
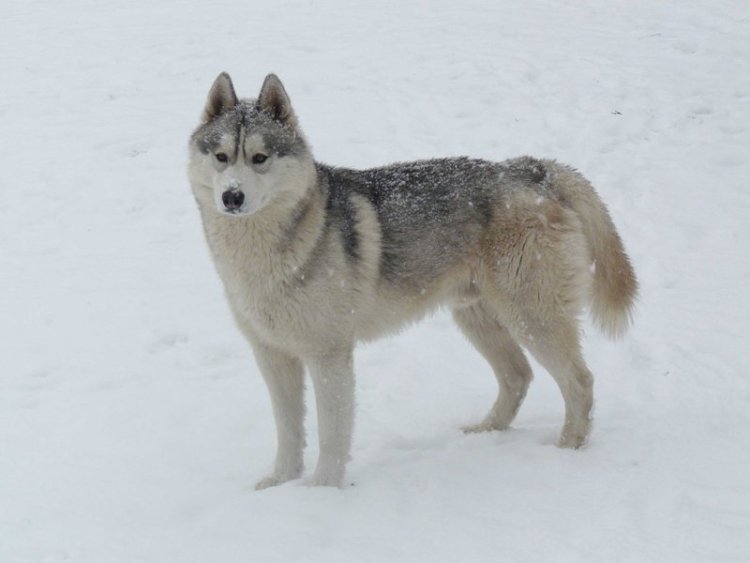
(574, 434)
(571, 442)
(484, 426)
(271, 481)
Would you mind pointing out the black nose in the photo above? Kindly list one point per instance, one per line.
(232, 199)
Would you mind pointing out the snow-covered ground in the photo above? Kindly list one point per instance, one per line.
(133, 421)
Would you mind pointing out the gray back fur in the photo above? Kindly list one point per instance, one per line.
(430, 212)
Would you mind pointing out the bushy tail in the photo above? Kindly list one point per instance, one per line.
(615, 286)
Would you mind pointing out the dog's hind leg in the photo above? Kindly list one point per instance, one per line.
(540, 278)
(508, 361)
(555, 345)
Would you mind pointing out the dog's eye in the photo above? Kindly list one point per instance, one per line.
(221, 157)
(259, 158)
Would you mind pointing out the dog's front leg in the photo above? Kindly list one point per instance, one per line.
(284, 376)
(333, 379)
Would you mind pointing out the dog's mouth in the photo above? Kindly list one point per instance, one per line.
(233, 212)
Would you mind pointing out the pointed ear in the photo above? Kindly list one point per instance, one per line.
(221, 98)
(274, 100)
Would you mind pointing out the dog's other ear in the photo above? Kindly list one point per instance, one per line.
(221, 98)
(274, 100)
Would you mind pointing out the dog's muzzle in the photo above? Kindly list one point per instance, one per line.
(233, 199)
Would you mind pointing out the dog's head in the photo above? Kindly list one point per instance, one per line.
(249, 153)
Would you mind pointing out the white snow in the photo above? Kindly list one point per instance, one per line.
(133, 421)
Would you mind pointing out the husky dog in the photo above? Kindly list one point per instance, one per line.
(316, 258)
